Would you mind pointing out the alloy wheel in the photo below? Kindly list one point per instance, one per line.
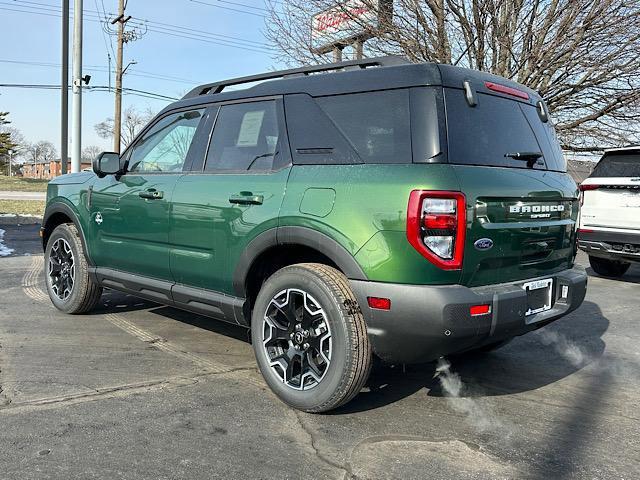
(61, 269)
(297, 339)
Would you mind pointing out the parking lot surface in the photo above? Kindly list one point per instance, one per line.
(137, 390)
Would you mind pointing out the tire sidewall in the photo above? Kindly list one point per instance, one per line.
(332, 382)
(71, 303)
(607, 267)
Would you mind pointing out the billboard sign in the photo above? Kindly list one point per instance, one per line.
(345, 23)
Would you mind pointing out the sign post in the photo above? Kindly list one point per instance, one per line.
(351, 23)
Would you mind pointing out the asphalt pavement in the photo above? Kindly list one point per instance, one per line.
(137, 390)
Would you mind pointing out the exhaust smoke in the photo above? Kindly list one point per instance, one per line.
(478, 415)
(566, 348)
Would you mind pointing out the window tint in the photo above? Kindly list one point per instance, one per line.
(165, 146)
(484, 134)
(375, 123)
(245, 137)
(547, 139)
(618, 165)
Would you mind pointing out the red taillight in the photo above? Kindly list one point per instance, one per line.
(585, 188)
(496, 87)
(436, 226)
(477, 310)
(379, 303)
(440, 222)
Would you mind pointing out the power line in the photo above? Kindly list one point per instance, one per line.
(102, 68)
(140, 22)
(104, 34)
(189, 30)
(104, 29)
(170, 31)
(229, 8)
(243, 5)
(96, 88)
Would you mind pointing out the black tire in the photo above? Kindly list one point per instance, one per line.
(350, 356)
(608, 268)
(84, 294)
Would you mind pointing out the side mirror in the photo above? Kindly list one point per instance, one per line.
(107, 163)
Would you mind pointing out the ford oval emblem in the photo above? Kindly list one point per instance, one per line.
(483, 244)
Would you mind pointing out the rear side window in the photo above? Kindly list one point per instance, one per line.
(376, 124)
(495, 128)
(618, 165)
(245, 137)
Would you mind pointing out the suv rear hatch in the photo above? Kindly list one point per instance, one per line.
(505, 153)
(611, 194)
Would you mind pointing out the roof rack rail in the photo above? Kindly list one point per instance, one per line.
(217, 87)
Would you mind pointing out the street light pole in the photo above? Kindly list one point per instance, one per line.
(64, 90)
(10, 152)
(77, 86)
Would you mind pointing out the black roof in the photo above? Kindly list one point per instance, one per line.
(348, 77)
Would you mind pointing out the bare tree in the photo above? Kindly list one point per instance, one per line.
(583, 56)
(132, 122)
(89, 153)
(40, 152)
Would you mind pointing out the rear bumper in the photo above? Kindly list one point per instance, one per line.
(426, 322)
(611, 245)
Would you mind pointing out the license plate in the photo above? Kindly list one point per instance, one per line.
(539, 295)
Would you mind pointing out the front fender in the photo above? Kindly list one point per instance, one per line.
(56, 208)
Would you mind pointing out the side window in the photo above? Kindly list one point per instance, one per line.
(375, 123)
(165, 146)
(246, 136)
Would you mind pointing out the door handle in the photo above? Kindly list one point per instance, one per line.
(151, 194)
(246, 198)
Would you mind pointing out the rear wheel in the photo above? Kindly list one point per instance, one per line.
(309, 337)
(608, 268)
(69, 284)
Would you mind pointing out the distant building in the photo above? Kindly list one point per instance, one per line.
(47, 170)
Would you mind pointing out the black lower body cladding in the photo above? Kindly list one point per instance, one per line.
(426, 322)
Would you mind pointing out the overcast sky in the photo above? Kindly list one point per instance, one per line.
(226, 40)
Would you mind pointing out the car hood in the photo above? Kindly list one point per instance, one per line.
(73, 178)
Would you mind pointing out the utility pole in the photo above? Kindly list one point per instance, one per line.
(77, 87)
(117, 116)
(64, 89)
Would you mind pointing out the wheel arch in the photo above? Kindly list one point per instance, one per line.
(284, 246)
(56, 214)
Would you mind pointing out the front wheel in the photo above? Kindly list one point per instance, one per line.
(608, 268)
(69, 283)
(310, 338)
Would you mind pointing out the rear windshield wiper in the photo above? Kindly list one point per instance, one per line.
(529, 157)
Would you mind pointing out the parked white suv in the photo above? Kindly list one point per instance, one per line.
(609, 223)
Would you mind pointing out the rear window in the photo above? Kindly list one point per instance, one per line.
(618, 165)
(496, 127)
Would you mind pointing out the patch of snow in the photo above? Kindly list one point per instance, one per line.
(4, 250)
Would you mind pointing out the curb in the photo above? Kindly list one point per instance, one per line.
(13, 219)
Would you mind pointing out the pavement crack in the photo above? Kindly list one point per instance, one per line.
(114, 391)
(348, 473)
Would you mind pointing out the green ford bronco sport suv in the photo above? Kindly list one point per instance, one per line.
(364, 208)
